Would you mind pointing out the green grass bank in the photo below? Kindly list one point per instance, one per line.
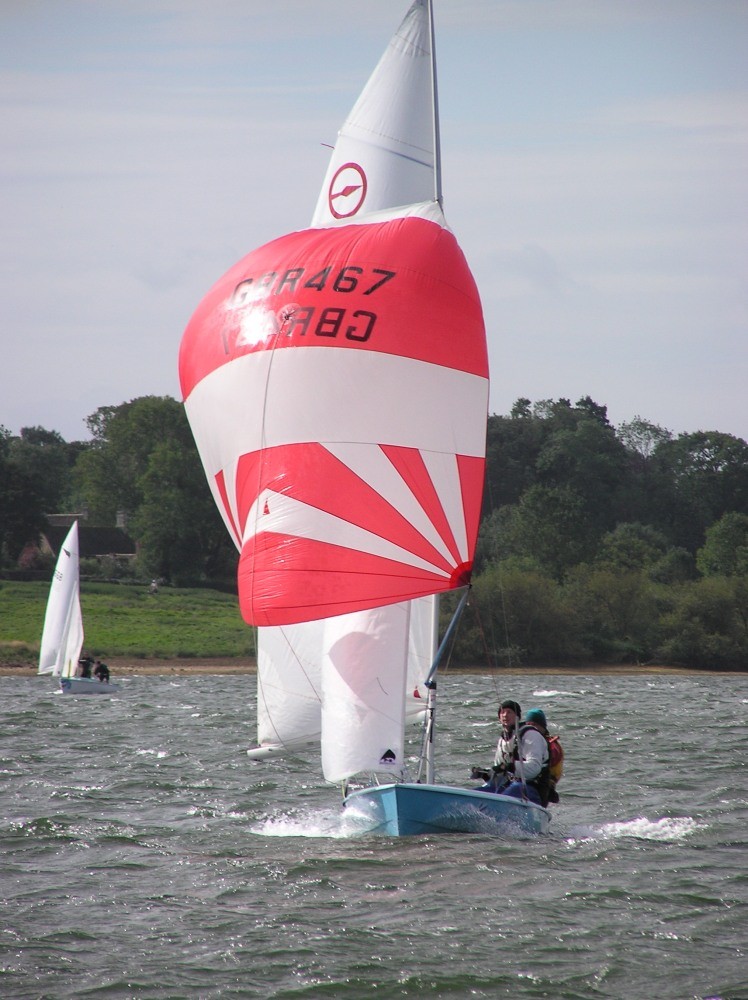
(126, 621)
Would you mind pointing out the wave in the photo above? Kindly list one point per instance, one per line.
(666, 829)
(311, 823)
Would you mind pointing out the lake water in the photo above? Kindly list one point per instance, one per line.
(143, 855)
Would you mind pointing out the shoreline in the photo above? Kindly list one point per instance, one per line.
(216, 666)
(129, 667)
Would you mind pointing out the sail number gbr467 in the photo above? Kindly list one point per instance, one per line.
(294, 319)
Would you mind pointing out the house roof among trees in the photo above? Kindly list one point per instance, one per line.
(92, 541)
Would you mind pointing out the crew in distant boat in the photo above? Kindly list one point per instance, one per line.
(520, 766)
(101, 670)
(84, 666)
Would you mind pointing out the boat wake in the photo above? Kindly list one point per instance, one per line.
(330, 823)
(667, 829)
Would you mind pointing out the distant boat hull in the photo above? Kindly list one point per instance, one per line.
(408, 809)
(86, 685)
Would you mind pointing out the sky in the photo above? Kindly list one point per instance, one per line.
(595, 173)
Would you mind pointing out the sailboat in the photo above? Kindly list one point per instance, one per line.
(62, 636)
(336, 383)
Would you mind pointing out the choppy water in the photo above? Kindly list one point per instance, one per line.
(142, 854)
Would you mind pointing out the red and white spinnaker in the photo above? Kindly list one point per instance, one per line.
(336, 378)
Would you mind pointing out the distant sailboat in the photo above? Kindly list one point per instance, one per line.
(62, 636)
(336, 382)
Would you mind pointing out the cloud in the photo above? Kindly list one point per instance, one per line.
(593, 172)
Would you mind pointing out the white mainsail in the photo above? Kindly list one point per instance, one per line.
(303, 670)
(62, 637)
(363, 683)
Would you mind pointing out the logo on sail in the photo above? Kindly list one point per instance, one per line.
(388, 758)
(347, 191)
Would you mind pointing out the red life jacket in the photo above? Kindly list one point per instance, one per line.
(555, 758)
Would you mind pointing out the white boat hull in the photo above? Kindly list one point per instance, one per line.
(406, 809)
(86, 685)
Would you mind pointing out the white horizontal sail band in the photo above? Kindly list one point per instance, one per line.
(329, 395)
(287, 516)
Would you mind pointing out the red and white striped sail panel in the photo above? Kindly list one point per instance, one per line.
(336, 384)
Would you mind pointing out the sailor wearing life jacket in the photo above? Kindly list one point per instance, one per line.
(521, 764)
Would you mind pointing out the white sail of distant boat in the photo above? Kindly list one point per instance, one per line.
(62, 635)
(336, 382)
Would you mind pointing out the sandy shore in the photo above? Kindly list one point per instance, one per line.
(127, 667)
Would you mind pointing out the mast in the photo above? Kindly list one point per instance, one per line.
(435, 111)
(431, 696)
(427, 747)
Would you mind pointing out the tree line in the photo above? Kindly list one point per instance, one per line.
(597, 543)
(141, 462)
